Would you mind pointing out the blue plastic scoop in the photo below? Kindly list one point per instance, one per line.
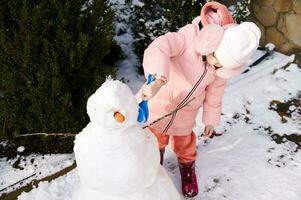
(143, 105)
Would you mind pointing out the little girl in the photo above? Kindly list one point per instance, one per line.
(191, 67)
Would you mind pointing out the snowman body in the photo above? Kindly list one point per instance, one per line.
(118, 160)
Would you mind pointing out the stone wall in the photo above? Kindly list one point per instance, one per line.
(280, 23)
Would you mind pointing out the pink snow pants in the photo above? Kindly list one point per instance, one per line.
(183, 146)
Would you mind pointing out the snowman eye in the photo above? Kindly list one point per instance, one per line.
(119, 117)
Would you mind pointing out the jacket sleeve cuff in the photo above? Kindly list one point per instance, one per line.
(161, 77)
(211, 118)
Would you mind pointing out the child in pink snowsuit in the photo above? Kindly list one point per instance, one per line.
(179, 60)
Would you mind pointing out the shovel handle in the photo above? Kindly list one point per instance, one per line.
(150, 78)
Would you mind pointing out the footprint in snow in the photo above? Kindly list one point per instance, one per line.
(227, 148)
(171, 166)
(214, 188)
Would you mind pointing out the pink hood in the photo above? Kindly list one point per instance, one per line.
(209, 38)
(215, 13)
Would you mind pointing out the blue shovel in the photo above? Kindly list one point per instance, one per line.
(143, 106)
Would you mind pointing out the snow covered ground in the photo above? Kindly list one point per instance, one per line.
(29, 168)
(258, 155)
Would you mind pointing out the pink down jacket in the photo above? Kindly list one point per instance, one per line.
(177, 56)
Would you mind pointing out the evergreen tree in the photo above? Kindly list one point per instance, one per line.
(51, 60)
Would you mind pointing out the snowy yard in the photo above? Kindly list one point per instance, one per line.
(256, 154)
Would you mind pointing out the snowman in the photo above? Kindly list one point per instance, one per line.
(116, 158)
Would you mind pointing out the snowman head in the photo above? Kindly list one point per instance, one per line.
(113, 106)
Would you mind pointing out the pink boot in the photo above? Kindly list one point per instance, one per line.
(189, 180)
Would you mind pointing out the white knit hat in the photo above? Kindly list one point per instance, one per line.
(238, 45)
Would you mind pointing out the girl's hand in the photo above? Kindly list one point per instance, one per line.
(208, 131)
(148, 91)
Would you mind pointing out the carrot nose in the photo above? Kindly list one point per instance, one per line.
(119, 117)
